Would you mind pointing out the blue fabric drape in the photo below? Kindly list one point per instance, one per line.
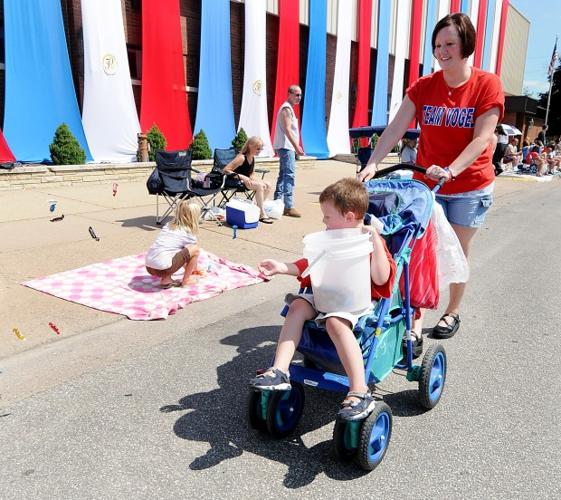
(215, 107)
(314, 133)
(380, 101)
(486, 62)
(40, 91)
(427, 51)
(464, 6)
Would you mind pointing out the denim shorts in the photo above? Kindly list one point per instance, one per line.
(467, 209)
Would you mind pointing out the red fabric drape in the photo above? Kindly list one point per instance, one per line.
(360, 117)
(6, 155)
(502, 30)
(415, 43)
(164, 99)
(480, 39)
(454, 6)
(288, 58)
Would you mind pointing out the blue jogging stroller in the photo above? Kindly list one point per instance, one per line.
(405, 207)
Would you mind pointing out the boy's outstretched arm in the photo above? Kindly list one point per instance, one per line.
(379, 264)
(270, 267)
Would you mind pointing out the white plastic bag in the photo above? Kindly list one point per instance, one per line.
(452, 263)
(274, 208)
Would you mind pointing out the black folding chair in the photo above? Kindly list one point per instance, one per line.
(175, 171)
(232, 183)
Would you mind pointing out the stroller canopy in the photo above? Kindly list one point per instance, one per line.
(400, 204)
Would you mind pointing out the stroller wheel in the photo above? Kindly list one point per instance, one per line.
(346, 437)
(433, 376)
(284, 410)
(375, 437)
(257, 409)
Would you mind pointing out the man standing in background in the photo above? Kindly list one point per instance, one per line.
(287, 145)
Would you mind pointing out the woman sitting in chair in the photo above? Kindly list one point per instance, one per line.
(243, 165)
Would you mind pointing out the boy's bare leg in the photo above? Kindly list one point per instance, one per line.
(191, 264)
(300, 311)
(349, 352)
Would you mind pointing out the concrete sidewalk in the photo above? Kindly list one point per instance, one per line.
(33, 247)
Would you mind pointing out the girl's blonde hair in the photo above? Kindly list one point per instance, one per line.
(187, 216)
(252, 141)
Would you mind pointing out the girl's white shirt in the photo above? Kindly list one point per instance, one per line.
(167, 244)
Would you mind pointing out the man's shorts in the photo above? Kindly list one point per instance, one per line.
(179, 260)
(467, 209)
(321, 318)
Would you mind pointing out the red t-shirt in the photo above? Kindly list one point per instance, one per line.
(377, 291)
(447, 119)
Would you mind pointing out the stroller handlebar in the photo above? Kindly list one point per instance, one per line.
(407, 166)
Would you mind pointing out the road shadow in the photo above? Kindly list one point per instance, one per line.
(148, 223)
(219, 417)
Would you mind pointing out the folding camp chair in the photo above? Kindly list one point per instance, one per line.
(232, 183)
(175, 171)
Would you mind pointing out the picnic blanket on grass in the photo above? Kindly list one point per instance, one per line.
(123, 286)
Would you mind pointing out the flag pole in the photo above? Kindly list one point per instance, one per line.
(552, 74)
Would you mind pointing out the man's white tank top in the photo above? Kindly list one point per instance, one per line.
(281, 141)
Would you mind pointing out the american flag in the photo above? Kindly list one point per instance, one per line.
(553, 61)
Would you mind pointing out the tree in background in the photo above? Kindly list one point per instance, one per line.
(200, 148)
(239, 140)
(65, 148)
(156, 141)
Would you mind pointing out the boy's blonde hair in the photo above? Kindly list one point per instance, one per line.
(252, 141)
(347, 195)
(187, 216)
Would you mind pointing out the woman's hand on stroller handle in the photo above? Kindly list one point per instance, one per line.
(439, 174)
(367, 173)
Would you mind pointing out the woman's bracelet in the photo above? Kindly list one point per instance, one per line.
(452, 176)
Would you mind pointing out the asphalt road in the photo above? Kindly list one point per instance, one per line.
(169, 420)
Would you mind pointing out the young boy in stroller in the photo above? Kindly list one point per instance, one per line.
(343, 205)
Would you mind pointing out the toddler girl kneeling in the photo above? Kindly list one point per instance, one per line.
(176, 247)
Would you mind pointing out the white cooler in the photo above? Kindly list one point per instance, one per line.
(242, 213)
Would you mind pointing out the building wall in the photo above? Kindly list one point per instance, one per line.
(514, 52)
(190, 10)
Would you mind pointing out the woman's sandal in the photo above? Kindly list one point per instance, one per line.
(417, 341)
(445, 332)
(266, 220)
(356, 410)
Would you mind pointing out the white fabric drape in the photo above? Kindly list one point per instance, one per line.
(444, 9)
(402, 26)
(338, 130)
(253, 116)
(473, 12)
(495, 37)
(109, 113)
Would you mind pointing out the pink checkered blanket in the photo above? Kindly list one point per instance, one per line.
(123, 286)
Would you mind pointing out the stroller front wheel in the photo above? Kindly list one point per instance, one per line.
(375, 437)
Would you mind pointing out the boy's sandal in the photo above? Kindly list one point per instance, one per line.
(452, 321)
(417, 341)
(266, 220)
(356, 410)
(272, 379)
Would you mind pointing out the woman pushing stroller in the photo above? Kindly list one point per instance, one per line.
(458, 109)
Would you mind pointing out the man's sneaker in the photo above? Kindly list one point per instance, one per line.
(271, 380)
(357, 410)
(291, 212)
